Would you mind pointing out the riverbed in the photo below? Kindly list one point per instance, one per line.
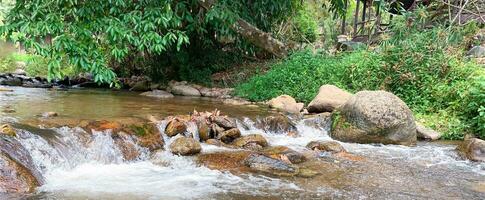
(72, 170)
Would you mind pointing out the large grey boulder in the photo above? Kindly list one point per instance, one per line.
(182, 89)
(329, 98)
(286, 103)
(374, 117)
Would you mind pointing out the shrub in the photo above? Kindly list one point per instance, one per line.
(426, 68)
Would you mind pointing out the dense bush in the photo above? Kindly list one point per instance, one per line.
(426, 68)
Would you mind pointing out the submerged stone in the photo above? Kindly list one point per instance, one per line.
(18, 173)
(285, 154)
(328, 146)
(265, 164)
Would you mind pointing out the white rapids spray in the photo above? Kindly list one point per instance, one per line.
(77, 166)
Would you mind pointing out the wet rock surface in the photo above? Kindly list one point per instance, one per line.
(472, 149)
(251, 141)
(327, 146)
(185, 146)
(18, 173)
(374, 117)
(285, 154)
(175, 126)
(265, 164)
(277, 124)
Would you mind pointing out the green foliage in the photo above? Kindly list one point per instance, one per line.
(7, 65)
(424, 67)
(102, 37)
(306, 24)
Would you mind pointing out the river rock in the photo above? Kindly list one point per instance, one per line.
(285, 154)
(276, 124)
(229, 135)
(181, 88)
(374, 117)
(18, 173)
(476, 52)
(224, 122)
(265, 164)
(7, 129)
(236, 102)
(185, 146)
(175, 126)
(286, 103)
(329, 98)
(142, 85)
(426, 133)
(11, 81)
(328, 146)
(158, 94)
(472, 149)
(125, 144)
(204, 131)
(319, 121)
(50, 114)
(216, 92)
(147, 135)
(248, 141)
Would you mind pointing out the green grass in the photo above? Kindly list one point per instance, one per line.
(425, 68)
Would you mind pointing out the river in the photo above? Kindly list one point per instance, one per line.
(72, 170)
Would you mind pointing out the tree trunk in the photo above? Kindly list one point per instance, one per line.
(254, 35)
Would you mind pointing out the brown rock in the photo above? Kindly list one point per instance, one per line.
(50, 114)
(229, 135)
(426, 133)
(472, 149)
(285, 154)
(125, 144)
(204, 131)
(276, 124)
(286, 103)
(329, 98)
(7, 129)
(175, 126)
(185, 146)
(224, 122)
(249, 140)
(15, 178)
(330, 146)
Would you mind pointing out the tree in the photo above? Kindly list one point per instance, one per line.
(95, 35)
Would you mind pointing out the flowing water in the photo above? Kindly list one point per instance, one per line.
(78, 165)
